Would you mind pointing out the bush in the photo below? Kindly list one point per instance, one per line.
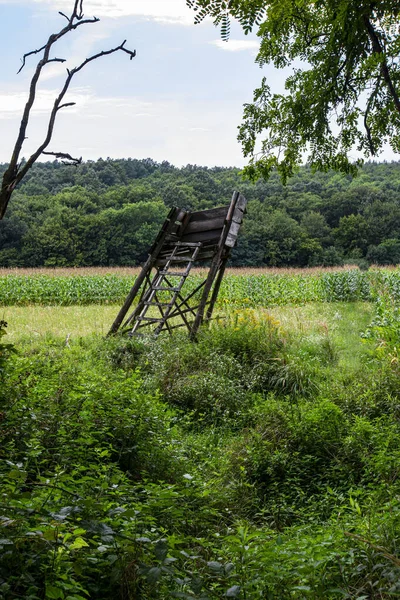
(249, 335)
(6, 350)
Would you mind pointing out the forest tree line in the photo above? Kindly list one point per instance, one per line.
(107, 213)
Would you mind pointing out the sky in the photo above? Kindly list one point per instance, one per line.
(181, 99)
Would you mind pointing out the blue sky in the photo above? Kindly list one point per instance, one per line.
(179, 100)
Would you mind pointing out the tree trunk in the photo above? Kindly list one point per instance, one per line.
(7, 188)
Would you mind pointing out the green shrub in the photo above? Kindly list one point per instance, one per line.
(211, 398)
(248, 335)
(6, 350)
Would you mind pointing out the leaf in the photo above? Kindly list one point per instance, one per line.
(112, 558)
(50, 535)
(233, 591)
(161, 550)
(54, 592)
(63, 513)
(153, 574)
(79, 542)
(214, 565)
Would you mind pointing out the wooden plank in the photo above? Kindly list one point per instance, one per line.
(231, 240)
(238, 216)
(209, 214)
(181, 216)
(156, 303)
(241, 203)
(150, 319)
(206, 225)
(239, 210)
(205, 254)
(234, 229)
(215, 264)
(236, 221)
(203, 236)
(233, 234)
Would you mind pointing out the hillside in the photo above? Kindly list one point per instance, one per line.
(106, 213)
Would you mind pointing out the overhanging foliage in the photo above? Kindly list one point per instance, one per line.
(342, 94)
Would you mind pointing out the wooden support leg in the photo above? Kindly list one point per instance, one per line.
(129, 299)
(215, 266)
(169, 223)
(217, 285)
(207, 287)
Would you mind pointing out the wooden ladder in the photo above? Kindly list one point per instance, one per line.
(162, 283)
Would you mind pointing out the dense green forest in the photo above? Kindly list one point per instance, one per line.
(107, 213)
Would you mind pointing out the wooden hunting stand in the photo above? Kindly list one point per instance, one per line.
(186, 238)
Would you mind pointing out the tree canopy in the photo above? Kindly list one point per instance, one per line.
(108, 212)
(343, 88)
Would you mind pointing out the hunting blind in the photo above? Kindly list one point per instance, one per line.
(186, 239)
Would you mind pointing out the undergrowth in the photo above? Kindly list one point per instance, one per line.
(251, 464)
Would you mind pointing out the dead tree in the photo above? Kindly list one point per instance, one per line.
(17, 171)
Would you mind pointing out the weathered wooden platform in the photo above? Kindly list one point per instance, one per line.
(185, 239)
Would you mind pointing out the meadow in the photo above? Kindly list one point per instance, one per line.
(261, 461)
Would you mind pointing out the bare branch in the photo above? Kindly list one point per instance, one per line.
(77, 13)
(30, 54)
(15, 171)
(60, 60)
(131, 54)
(68, 159)
(56, 36)
(66, 104)
(57, 105)
(78, 10)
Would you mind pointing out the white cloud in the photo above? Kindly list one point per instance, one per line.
(120, 127)
(13, 103)
(237, 45)
(165, 11)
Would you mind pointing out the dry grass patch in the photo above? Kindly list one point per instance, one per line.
(36, 322)
(133, 271)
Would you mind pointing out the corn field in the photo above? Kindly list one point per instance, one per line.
(264, 289)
